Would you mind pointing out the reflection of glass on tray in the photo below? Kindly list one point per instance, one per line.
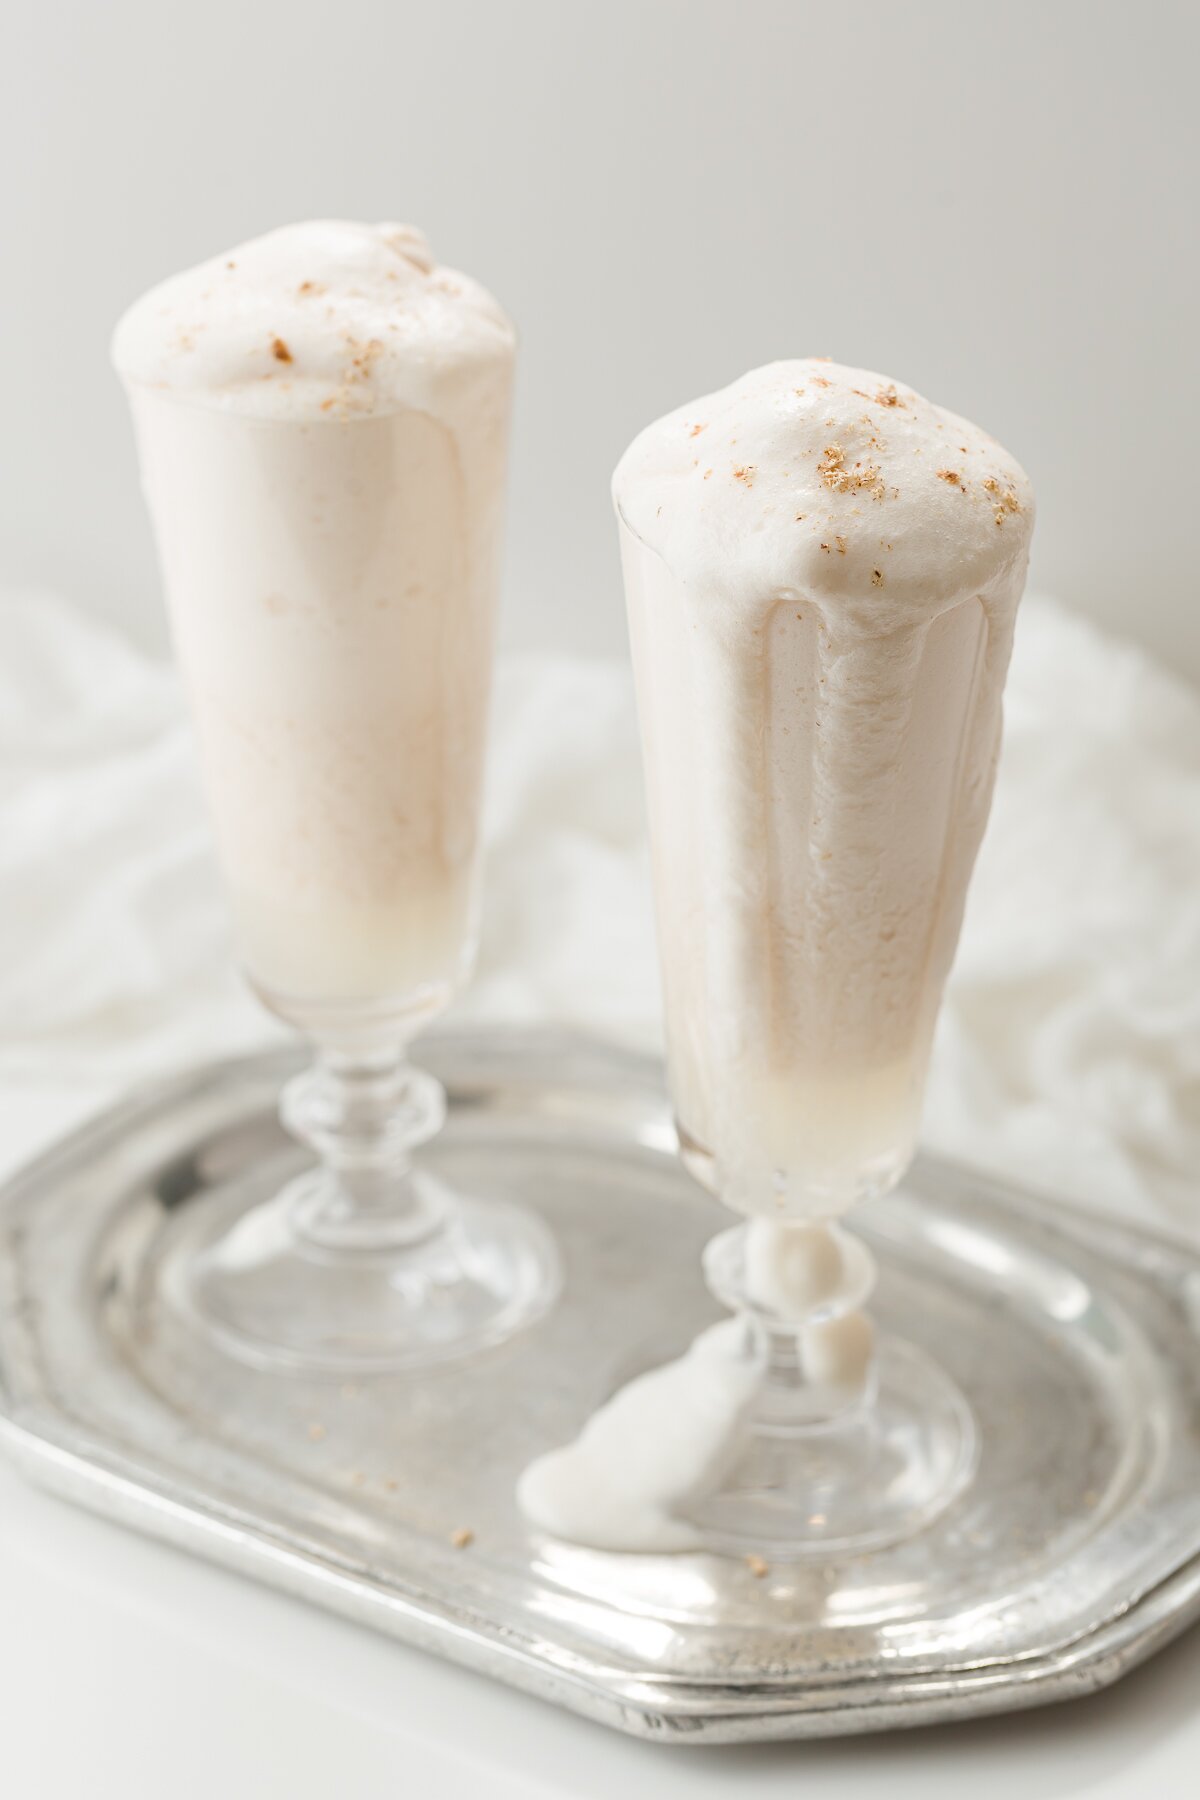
(322, 419)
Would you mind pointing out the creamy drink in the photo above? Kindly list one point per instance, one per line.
(322, 419)
(822, 571)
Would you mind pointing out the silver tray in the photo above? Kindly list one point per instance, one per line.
(1073, 1555)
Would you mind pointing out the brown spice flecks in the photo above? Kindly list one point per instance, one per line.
(231, 265)
(799, 391)
(706, 474)
(820, 381)
(745, 473)
(830, 466)
(876, 577)
(311, 287)
(463, 1538)
(887, 396)
(280, 351)
(950, 475)
(757, 1566)
(825, 547)
(863, 476)
(841, 545)
(1009, 502)
(696, 430)
(328, 405)
(362, 356)
(800, 516)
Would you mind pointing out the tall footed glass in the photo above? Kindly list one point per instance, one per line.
(331, 573)
(819, 760)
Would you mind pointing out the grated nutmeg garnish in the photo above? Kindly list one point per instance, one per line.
(1009, 502)
(861, 478)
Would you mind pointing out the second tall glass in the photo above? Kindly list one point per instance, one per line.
(322, 426)
(822, 571)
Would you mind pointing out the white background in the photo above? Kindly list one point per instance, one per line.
(994, 202)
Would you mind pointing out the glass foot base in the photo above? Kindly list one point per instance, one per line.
(874, 1476)
(275, 1296)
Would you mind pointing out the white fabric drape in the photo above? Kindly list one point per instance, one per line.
(1069, 1049)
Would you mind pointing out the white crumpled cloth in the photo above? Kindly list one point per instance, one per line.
(1069, 1049)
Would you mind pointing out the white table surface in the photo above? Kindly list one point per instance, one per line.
(129, 1671)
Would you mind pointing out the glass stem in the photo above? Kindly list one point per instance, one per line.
(803, 1287)
(364, 1112)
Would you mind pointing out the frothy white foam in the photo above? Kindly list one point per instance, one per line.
(658, 1447)
(316, 320)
